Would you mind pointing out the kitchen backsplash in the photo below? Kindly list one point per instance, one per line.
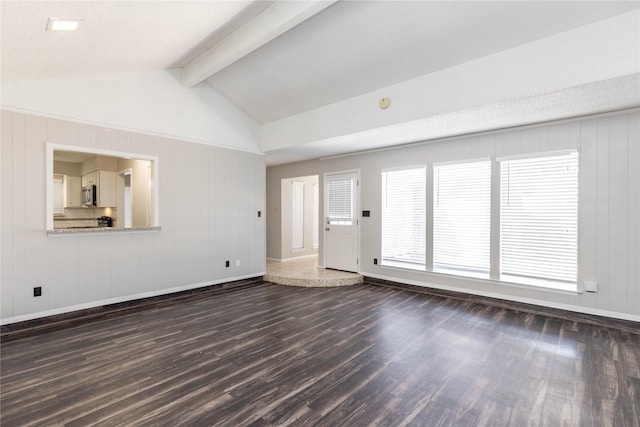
(82, 217)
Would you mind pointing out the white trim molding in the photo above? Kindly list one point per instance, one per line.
(126, 298)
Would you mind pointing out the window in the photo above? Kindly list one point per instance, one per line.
(404, 217)
(462, 218)
(340, 201)
(102, 168)
(58, 194)
(539, 220)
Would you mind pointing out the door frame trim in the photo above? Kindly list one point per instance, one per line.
(356, 215)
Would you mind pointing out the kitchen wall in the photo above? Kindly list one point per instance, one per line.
(98, 163)
(83, 217)
(67, 168)
(609, 210)
(209, 198)
(274, 178)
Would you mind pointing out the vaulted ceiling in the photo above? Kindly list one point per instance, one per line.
(355, 47)
(278, 60)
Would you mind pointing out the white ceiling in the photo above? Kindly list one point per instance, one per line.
(71, 156)
(354, 47)
(562, 104)
(347, 49)
(114, 37)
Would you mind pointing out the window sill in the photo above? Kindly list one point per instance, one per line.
(537, 285)
(403, 265)
(462, 273)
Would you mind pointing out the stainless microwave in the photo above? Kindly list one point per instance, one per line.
(89, 195)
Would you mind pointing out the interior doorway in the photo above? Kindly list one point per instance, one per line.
(299, 217)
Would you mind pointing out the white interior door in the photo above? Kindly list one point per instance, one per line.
(341, 224)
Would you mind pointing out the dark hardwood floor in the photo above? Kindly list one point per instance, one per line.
(364, 355)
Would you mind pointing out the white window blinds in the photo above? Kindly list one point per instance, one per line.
(404, 217)
(539, 219)
(58, 194)
(340, 201)
(462, 218)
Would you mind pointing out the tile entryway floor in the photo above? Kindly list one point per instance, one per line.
(305, 272)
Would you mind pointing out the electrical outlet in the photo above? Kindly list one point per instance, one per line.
(237, 263)
(375, 261)
(226, 263)
(259, 214)
(590, 287)
(37, 291)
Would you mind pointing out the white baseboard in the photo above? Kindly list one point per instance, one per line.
(117, 300)
(542, 303)
(298, 258)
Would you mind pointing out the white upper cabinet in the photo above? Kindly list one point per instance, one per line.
(105, 182)
(106, 189)
(90, 178)
(74, 192)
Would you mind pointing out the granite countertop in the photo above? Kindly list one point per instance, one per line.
(93, 230)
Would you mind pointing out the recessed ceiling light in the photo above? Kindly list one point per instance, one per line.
(56, 24)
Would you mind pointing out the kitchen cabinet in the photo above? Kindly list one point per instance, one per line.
(106, 189)
(74, 192)
(90, 178)
(105, 182)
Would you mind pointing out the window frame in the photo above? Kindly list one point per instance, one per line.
(52, 147)
(341, 220)
(408, 265)
(542, 282)
(460, 271)
(495, 277)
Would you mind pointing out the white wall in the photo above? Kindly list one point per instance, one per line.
(209, 198)
(609, 210)
(150, 102)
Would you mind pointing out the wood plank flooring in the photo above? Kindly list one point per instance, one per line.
(364, 355)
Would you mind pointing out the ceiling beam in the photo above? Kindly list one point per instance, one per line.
(274, 21)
